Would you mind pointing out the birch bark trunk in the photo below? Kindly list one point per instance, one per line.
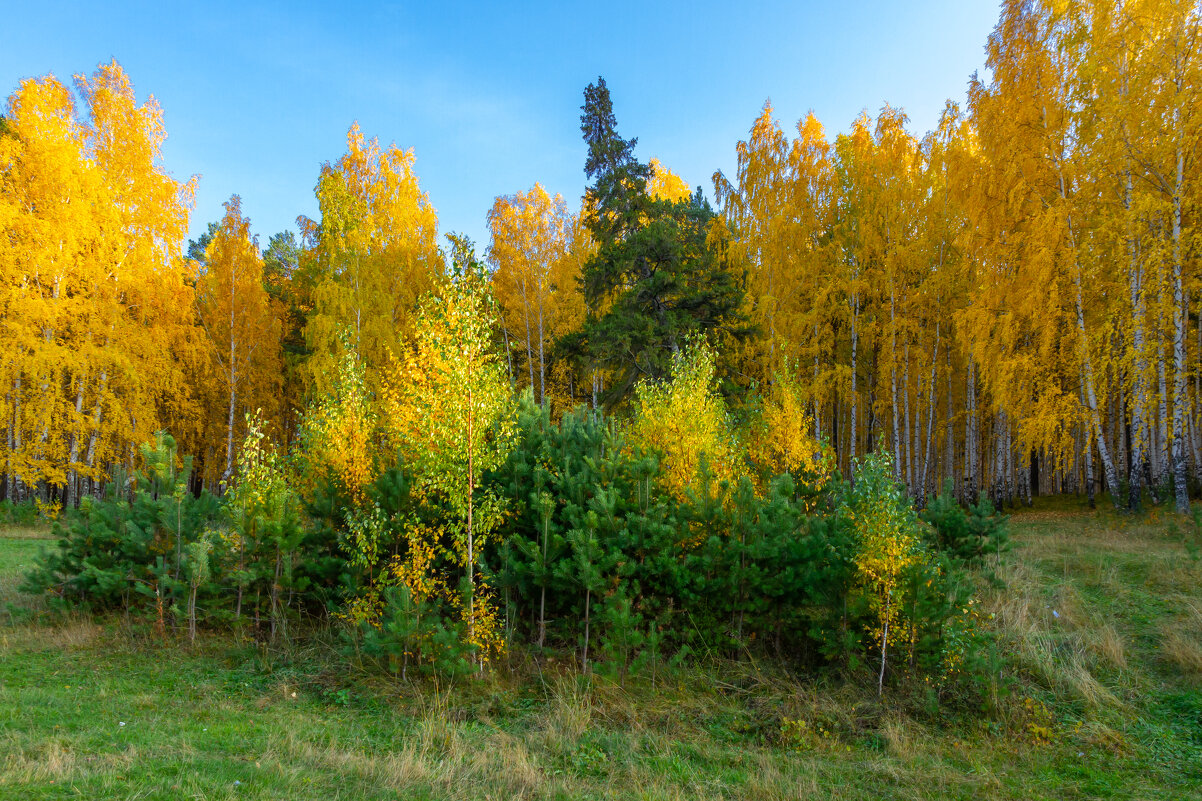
(1180, 368)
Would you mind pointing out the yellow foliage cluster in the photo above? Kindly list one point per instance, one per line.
(243, 331)
(340, 432)
(96, 310)
(538, 249)
(448, 409)
(686, 420)
(665, 184)
(782, 439)
(369, 258)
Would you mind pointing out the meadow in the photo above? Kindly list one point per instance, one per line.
(1098, 618)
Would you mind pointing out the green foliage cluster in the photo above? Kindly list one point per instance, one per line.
(594, 560)
(658, 276)
(970, 535)
(150, 545)
(599, 559)
(19, 513)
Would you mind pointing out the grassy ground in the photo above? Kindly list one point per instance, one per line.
(1100, 622)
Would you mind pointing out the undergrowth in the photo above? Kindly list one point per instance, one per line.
(1097, 694)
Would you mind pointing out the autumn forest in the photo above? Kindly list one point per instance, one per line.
(872, 463)
(1009, 301)
(779, 416)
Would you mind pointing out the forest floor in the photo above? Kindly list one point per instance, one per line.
(1100, 624)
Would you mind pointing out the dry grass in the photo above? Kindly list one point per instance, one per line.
(436, 756)
(36, 531)
(1107, 644)
(54, 761)
(1182, 649)
(903, 737)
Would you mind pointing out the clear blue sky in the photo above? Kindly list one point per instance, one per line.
(256, 96)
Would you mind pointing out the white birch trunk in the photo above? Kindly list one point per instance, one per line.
(893, 376)
(1180, 368)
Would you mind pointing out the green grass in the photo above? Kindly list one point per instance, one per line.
(1106, 703)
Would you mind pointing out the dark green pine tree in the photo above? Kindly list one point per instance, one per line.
(656, 277)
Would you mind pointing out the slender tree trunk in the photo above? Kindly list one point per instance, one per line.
(949, 445)
(817, 408)
(1180, 368)
(542, 364)
(880, 682)
(897, 454)
(16, 427)
(8, 453)
(971, 423)
(1087, 447)
(932, 402)
(70, 494)
(1011, 473)
(1091, 398)
(855, 341)
(835, 443)
(1197, 407)
(529, 344)
(97, 419)
(909, 430)
(1162, 443)
(1135, 284)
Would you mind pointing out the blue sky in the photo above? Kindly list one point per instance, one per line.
(256, 96)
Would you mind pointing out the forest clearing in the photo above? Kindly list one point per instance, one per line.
(1099, 630)
(873, 473)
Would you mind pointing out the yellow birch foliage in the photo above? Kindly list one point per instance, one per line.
(371, 256)
(537, 255)
(95, 300)
(339, 434)
(449, 410)
(779, 209)
(686, 420)
(665, 184)
(781, 439)
(243, 331)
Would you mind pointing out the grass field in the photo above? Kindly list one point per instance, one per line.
(1100, 622)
